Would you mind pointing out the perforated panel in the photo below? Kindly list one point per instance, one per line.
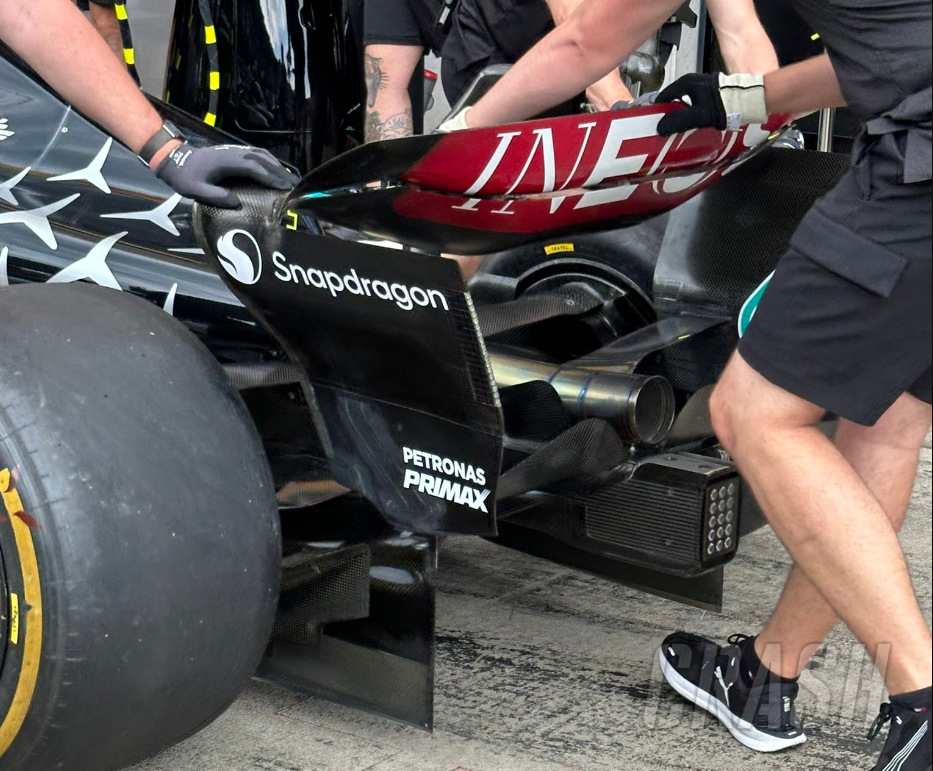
(722, 244)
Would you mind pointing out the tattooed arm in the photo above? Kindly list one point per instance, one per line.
(388, 106)
(392, 127)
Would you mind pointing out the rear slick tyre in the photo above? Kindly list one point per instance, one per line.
(139, 535)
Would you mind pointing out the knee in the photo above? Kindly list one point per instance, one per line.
(742, 422)
(723, 418)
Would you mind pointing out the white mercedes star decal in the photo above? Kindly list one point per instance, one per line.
(160, 216)
(169, 305)
(37, 220)
(93, 267)
(6, 188)
(92, 172)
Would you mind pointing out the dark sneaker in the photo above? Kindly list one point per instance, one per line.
(908, 747)
(756, 707)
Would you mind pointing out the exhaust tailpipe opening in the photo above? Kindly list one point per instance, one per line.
(639, 407)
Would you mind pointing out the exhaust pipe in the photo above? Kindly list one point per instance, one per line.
(639, 407)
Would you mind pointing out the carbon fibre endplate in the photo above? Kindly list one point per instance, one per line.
(391, 358)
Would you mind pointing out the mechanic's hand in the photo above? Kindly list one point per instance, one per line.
(645, 100)
(714, 100)
(456, 123)
(199, 172)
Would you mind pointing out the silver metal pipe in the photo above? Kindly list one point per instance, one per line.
(640, 407)
(826, 131)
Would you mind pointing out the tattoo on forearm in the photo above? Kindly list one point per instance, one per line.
(393, 127)
(376, 79)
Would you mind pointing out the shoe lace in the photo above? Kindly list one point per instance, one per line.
(884, 717)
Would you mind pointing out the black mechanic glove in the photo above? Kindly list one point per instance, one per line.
(198, 172)
(714, 101)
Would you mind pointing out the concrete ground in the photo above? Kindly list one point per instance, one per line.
(542, 668)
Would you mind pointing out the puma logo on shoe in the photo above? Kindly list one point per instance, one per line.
(725, 688)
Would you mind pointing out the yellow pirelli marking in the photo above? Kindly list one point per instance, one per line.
(214, 81)
(14, 618)
(555, 248)
(210, 119)
(129, 55)
(210, 35)
(29, 613)
(121, 11)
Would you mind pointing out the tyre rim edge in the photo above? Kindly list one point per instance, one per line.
(30, 612)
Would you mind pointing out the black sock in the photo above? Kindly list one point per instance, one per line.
(753, 669)
(918, 701)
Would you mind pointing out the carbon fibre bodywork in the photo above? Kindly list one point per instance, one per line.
(361, 396)
(77, 206)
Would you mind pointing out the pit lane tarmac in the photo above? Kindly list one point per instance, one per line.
(542, 668)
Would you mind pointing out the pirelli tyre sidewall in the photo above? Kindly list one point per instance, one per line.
(139, 535)
(22, 592)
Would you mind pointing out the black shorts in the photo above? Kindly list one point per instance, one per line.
(846, 320)
(403, 22)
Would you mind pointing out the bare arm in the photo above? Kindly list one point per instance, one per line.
(594, 39)
(108, 27)
(59, 43)
(803, 87)
(604, 92)
(744, 43)
(561, 10)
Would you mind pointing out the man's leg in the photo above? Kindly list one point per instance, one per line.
(389, 69)
(885, 457)
(837, 532)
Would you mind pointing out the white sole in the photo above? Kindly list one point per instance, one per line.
(743, 731)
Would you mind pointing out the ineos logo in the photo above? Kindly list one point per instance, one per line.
(244, 266)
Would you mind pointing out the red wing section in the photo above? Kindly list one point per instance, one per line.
(489, 189)
(577, 151)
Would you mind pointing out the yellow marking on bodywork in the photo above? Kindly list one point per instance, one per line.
(210, 119)
(292, 220)
(121, 11)
(210, 35)
(30, 613)
(129, 55)
(214, 82)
